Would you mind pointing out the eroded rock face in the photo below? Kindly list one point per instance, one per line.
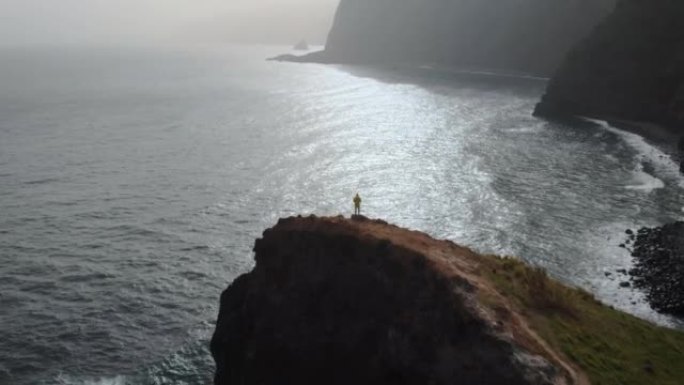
(631, 67)
(529, 36)
(336, 301)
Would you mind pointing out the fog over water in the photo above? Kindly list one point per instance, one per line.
(142, 152)
(142, 21)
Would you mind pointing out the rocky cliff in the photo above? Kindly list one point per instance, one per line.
(339, 301)
(528, 36)
(631, 67)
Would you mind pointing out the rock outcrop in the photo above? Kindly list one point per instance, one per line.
(659, 266)
(339, 301)
(526, 36)
(630, 68)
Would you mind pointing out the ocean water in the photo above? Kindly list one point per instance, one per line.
(133, 182)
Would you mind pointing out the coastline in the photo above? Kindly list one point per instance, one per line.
(667, 139)
(663, 137)
(323, 57)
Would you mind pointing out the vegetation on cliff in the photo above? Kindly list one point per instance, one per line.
(341, 301)
(611, 347)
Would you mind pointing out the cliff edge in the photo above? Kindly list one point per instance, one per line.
(630, 68)
(358, 301)
(338, 301)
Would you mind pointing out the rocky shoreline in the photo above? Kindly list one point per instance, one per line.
(659, 266)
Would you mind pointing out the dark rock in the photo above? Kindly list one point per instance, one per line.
(629, 232)
(630, 68)
(531, 37)
(608, 273)
(625, 284)
(648, 367)
(335, 301)
(659, 267)
(622, 271)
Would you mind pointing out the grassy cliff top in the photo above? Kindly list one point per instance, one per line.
(609, 346)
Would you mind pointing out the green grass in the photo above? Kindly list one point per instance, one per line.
(610, 346)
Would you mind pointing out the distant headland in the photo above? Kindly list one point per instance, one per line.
(529, 37)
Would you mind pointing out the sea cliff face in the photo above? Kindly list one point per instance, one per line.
(339, 301)
(527, 36)
(631, 67)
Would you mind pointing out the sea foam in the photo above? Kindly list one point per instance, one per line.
(661, 162)
(68, 380)
(644, 181)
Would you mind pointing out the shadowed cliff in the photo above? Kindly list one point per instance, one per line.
(340, 301)
(526, 36)
(631, 68)
(337, 301)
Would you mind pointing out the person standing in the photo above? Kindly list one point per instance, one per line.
(357, 204)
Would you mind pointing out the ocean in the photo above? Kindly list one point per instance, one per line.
(134, 181)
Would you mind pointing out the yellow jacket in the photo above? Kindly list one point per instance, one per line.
(357, 200)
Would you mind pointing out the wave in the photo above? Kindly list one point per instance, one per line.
(661, 161)
(190, 365)
(644, 181)
(40, 181)
(68, 380)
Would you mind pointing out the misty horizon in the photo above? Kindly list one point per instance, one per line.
(99, 22)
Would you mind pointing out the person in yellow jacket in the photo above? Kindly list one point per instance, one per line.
(357, 204)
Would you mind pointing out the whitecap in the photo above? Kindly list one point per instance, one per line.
(524, 130)
(662, 162)
(68, 380)
(611, 158)
(643, 181)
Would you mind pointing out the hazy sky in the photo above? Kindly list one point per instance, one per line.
(139, 21)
